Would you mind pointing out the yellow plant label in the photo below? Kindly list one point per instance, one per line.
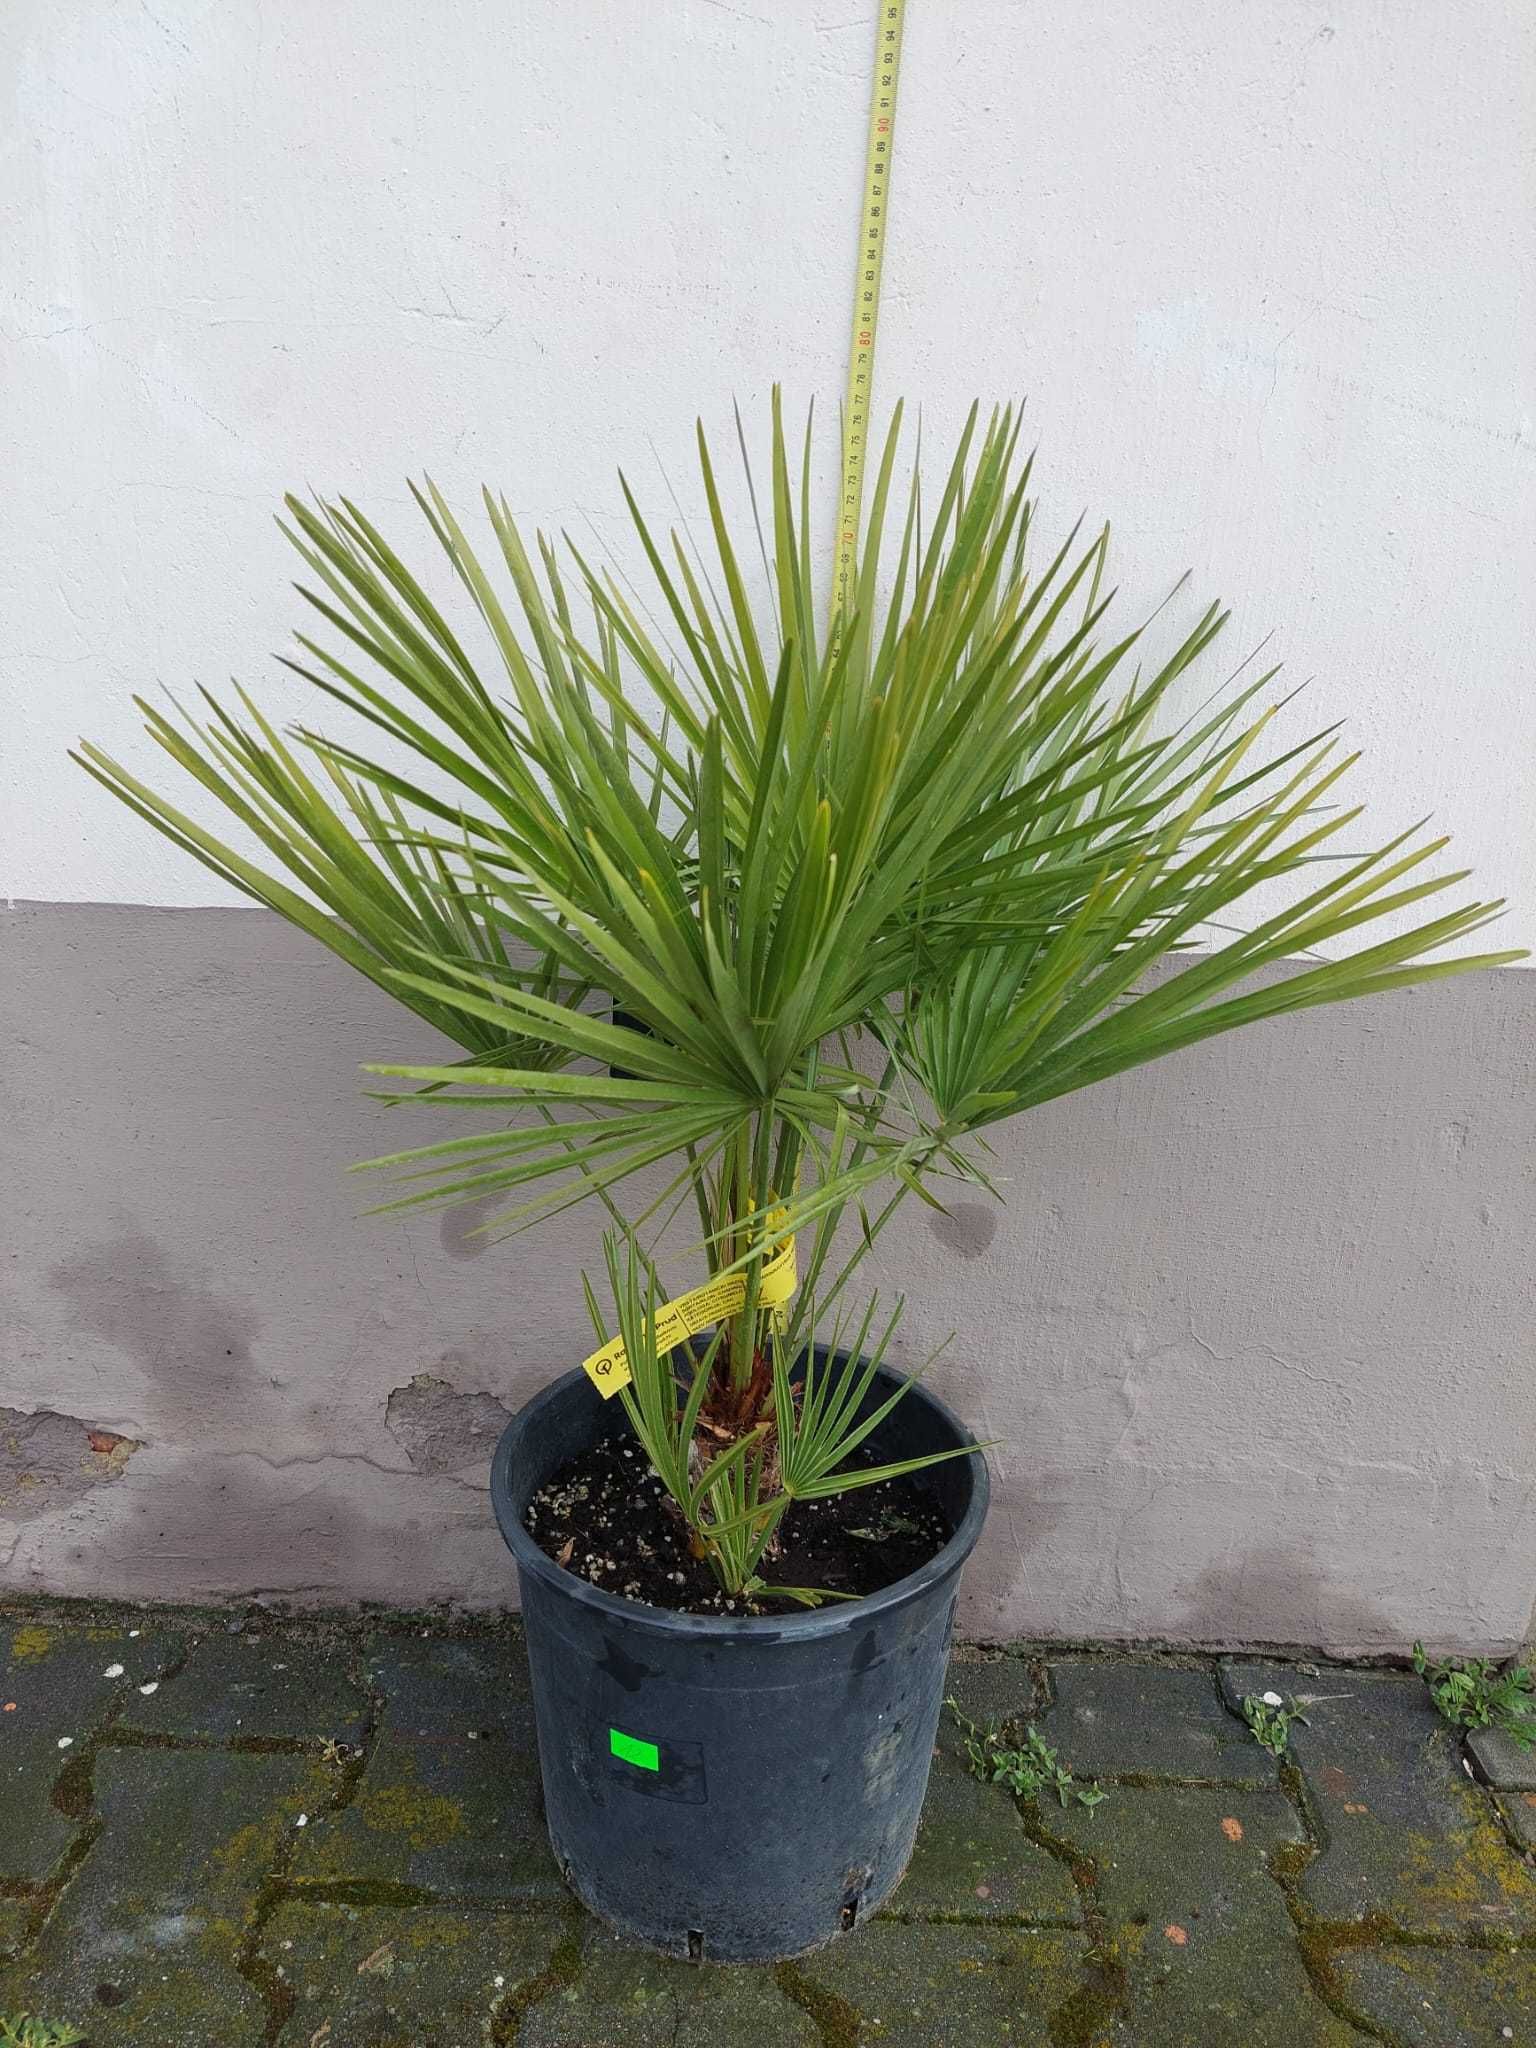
(677, 1321)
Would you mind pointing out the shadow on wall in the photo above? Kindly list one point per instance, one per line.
(195, 1349)
(460, 1223)
(965, 1228)
(1282, 1597)
(233, 1527)
(345, 1520)
(336, 1527)
(1011, 1586)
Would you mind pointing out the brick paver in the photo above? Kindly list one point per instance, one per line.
(618, 1996)
(912, 1985)
(429, 1974)
(449, 1804)
(244, 1690)
(1407, 1836)
(1445, 1997)
(1118, 1716)
(57, 1688)
(307, 1835)
(972, 1855)
(1500, 1760)
(146, 1941)
(1182, 1877)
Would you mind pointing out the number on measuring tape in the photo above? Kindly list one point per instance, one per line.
(877, 162)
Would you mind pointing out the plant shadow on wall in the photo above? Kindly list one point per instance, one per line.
(670, 877)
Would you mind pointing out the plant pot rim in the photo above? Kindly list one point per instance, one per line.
(833, 1619)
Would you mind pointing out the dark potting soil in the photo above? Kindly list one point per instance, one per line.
(607, 1517)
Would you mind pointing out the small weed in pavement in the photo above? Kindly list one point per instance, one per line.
(1031, 1768)
(1473, 1692)
(24, 2031)
(1270, 1720)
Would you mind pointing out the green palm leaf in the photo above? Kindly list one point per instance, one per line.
(650, 885)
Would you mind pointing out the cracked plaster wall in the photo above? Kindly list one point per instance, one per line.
(1254, 1326)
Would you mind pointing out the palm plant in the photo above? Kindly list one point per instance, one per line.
(794, 911)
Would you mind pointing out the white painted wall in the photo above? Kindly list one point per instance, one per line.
(1264, 268)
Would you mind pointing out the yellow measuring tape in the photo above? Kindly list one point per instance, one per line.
(677, 1321)
(866, 297)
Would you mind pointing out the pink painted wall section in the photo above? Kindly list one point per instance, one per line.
(1253, 1328)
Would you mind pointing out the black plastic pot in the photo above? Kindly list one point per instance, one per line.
(733, 1791)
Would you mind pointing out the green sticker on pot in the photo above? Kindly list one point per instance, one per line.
(629, 1749)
